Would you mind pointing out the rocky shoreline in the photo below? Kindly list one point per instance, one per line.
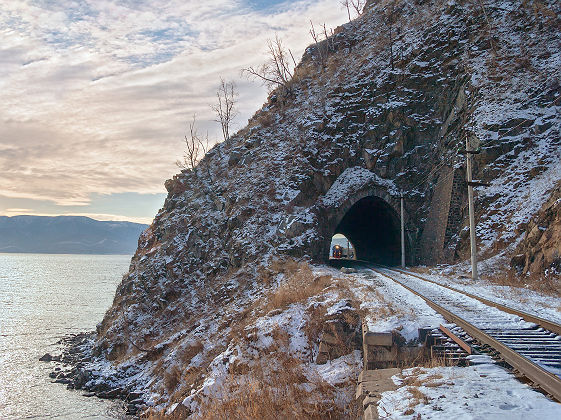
(75, 368)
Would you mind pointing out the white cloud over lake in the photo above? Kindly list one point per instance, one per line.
(95, 95)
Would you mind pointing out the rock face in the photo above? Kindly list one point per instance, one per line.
(381, 117)
(540, 250)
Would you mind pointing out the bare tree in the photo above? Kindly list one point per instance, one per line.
(279, 68)
(195, 147)
(356, 5)
(323, 46)
(225, 107)
(391, 18)
(346, 4)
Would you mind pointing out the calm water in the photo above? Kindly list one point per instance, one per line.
(43, 298)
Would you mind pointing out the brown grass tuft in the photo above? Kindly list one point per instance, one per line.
(301, 283)
(276, 388)
(172, 378)
(186, 354)
(541, 283)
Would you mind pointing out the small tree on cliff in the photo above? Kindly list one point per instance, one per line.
(225, 107)
(278, 70)
(323, 44)
(356, 5)
(390, 16)
(195, 147)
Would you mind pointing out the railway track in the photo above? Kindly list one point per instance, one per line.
(531, 345)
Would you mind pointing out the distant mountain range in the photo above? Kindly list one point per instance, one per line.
(67, 235)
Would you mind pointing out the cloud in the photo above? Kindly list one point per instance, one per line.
(10, 212)
(95, 95)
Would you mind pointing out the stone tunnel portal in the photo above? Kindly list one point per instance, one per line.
(373, 227)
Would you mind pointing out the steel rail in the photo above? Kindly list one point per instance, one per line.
(546, 324)
(543, 379)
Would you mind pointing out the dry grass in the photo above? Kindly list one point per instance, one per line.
(178, 380)
(297, 285)
(548, 285)
(315, 323)
(414, 382)
(431, 381)
(300, 285)
(172, 378)
(257, 396)
(421, 269)
(271, 385)
(386, 308)
(186, 354)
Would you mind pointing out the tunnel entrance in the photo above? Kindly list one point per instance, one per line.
(341, 248)
(373, 227)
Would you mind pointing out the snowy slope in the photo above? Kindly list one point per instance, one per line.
(458, 67)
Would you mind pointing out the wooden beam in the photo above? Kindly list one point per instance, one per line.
(456, 339)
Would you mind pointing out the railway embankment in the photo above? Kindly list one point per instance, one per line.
(486, 340)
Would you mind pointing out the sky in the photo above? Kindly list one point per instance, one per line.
(96, 95)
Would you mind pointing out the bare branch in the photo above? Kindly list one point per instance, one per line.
(390, 17)
(195, 148)
(356, 5)
(315, 36)
(225, 108)
(346, 4)
(277, 71)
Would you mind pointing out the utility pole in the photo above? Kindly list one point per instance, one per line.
(402, 234)
(469, 154)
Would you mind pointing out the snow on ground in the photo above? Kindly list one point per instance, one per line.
(539, 304)
(263, 351)
(336, 372)
(391, 307)
(482, 391)
(472, 310)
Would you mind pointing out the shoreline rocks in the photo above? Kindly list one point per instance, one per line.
(49, 358)
(75, 368)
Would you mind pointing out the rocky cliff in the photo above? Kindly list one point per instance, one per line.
(540, 250)
(385, 114)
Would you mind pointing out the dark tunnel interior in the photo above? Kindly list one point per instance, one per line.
(373, 227)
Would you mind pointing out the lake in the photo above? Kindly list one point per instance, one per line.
(44, 297)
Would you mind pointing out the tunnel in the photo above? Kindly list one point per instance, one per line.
(373, 227)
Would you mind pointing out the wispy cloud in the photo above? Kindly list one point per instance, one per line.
(95, 95)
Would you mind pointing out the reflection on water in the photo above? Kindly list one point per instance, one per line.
(43, 298)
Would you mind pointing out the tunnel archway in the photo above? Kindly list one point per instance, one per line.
(373, 226)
